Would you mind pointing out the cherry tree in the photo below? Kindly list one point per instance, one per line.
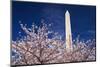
(38, 48)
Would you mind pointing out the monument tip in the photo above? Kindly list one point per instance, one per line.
(67, 12)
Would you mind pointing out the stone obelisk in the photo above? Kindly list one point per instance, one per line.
(68, 31)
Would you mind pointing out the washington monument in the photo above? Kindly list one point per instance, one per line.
(68, 31)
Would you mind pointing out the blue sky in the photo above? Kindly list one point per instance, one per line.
(83, 18)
